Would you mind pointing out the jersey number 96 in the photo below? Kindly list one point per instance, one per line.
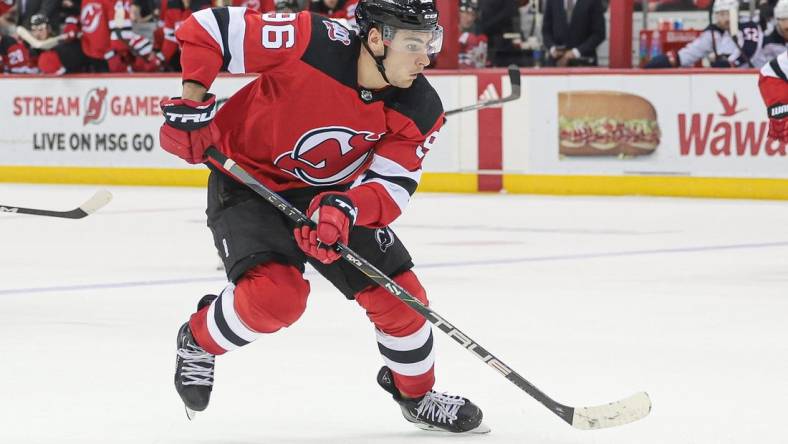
(278, 33)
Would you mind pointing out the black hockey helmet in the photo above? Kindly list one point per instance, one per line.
(390, 16)
(420, 15)
(469, 5)
(39, 19)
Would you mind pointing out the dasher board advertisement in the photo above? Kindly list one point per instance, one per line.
(701, 125)
(102, 121)
(111, 121)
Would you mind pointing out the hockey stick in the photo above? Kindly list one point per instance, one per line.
(514, 79)
(609, 415)
(101, 198)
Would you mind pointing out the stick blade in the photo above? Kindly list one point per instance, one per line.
(614, 414)
(514, 74)
(99, 200)
(514, 80)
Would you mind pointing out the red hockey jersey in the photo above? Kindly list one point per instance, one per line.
(773, 81)
(16, 57)
(473, 50)
(94, 21)
(5, 6)
(305, 122)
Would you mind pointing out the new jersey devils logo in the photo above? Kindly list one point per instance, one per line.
(90, 18)
(385, 238)
(337, 32)
(329, 155)
(95, 106)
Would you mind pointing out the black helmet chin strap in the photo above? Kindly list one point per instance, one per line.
(378, 59)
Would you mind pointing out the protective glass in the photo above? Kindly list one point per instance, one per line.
(414, 42)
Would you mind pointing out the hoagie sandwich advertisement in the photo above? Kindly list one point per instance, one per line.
(702, 124)
(606, 123)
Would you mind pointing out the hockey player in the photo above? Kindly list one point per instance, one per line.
(473, 45)
(776, 42)
(109, 42)
(175, 12)
(365, 117)
(37, 51)
(716, 42)
(53, 54)
(16, 56)
(773, 83)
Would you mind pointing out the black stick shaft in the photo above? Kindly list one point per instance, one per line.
(564, 412)
(514, 80)
(97, 201)
(71, 214)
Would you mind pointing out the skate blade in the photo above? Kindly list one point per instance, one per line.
(479, 430)
(191, 414)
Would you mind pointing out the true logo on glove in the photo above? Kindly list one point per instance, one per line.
(352, 212)
(194, 118)
(778, 111)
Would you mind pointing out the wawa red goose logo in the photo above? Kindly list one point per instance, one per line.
(729, 106)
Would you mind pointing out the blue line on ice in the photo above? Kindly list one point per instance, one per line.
(480, 262)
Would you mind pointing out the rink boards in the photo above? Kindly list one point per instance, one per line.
(712, 125)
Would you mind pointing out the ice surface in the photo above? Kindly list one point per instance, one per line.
(590, 299)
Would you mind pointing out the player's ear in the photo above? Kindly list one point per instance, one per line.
(375, 41)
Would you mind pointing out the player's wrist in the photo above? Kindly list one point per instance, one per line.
(193, 90)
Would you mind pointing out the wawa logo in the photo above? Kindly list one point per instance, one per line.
(95, 106)
(725, 135)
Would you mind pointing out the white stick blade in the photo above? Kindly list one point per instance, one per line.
(101, 198)
(614, 414)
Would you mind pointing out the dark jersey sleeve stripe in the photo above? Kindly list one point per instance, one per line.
(222, 16)
(407, 183)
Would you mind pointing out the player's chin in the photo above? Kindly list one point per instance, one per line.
(405, 82)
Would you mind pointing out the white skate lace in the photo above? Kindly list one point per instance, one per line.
(194, 370)
(439, 407)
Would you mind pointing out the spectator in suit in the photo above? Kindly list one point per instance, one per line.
(572, 30)
(499, 21)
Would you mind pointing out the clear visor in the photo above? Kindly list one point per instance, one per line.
(414, 42)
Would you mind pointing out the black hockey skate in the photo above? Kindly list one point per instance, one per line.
(193, 369)
(436, 411)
